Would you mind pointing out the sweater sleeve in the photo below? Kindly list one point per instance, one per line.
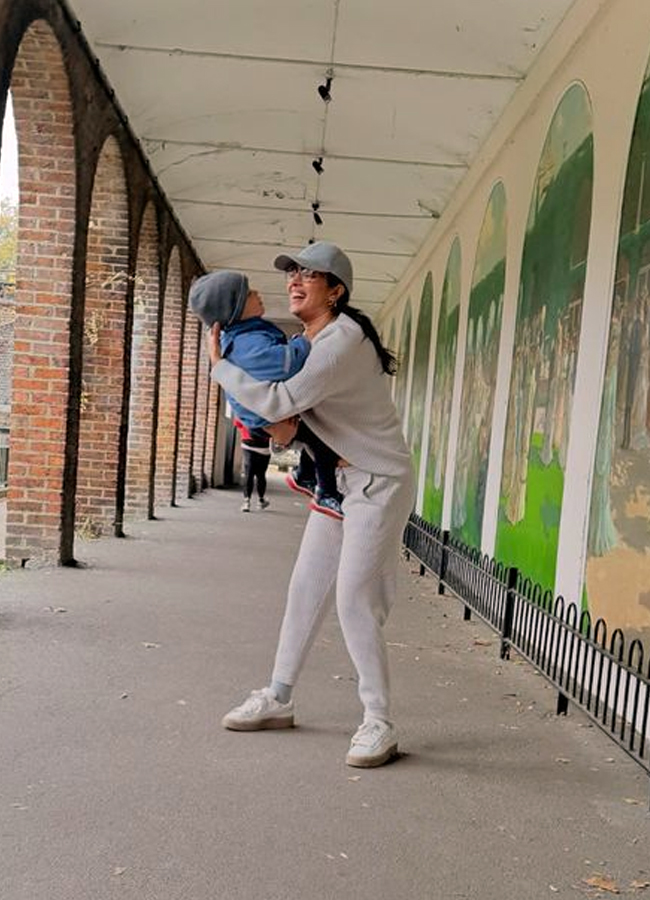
(281, 399)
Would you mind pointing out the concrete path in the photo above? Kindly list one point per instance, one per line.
(116, 780)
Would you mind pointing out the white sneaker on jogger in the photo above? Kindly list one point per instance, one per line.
(374, 743)
(259, 711)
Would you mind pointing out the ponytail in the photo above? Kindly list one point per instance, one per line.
(387, 358)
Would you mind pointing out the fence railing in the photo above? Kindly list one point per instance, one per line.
(602, 674)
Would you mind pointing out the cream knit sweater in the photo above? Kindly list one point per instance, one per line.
(342, 395)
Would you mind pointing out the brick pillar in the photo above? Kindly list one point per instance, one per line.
(143, 370)
(186, 418)
(43, 296)
(103, 346)
(198, 450)
(169, 374)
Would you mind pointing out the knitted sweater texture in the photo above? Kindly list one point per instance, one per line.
(341, 393)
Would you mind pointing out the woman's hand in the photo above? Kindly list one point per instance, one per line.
(283, 432)
(213, 342)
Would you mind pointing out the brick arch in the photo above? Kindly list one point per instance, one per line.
(170, 359)
(46, 230)
(103, 344)
(143, 369)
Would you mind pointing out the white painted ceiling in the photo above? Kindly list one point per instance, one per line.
(223, 96)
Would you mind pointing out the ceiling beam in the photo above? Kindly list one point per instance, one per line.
(233, 147)
(425, 216)
(219, 240)
(298, 61)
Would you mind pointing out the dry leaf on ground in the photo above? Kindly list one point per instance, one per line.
(602, 883)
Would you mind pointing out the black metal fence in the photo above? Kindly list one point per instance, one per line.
(604, 675)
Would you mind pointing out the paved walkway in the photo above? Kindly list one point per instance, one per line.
(116, 780)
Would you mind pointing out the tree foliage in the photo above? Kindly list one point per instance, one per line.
(8, 241)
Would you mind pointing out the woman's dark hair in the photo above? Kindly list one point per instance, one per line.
(387, 358)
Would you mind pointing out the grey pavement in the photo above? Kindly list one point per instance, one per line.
(117, 781)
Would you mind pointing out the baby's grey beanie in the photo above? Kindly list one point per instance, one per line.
(219, 297)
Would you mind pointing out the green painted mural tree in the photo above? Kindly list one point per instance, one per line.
(618, 552)
(480, 373)
(443, 386)
(420, 371)
(547, 336)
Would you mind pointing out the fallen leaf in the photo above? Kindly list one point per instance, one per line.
(118, 871)
(149, 645)
(124, 696)
(344, 856)
(479, 642)
(637, 885)
(632, 801)
(553, 888)
(562, 759)
(354, 778)
(602, 883)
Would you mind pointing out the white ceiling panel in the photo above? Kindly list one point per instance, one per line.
(222, 95)
(497, 37)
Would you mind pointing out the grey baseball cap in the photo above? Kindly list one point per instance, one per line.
(219, 297)
(321, 256)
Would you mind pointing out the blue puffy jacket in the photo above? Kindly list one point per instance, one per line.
(262, 350)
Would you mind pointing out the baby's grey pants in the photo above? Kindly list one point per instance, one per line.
(361, 555)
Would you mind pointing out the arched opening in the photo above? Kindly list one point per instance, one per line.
(168, 392)
(185, 486)
(143, 371)
(199, 478)
(46, 226)
(8, 255)
(103, 346)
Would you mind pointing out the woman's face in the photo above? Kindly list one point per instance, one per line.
(310, 296)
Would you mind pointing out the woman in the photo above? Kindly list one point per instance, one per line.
(343, 395)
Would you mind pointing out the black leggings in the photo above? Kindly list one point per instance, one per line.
(255, 466)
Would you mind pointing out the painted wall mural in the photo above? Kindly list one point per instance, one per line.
(618, 549)
(420, 371)
(480, 372)
(403, 361)
(443, 386)
(547, 334)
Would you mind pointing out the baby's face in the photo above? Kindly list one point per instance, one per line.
(254, 305)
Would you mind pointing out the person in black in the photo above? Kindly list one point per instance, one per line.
(256, 453)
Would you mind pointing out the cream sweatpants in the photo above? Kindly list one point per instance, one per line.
(360, 555)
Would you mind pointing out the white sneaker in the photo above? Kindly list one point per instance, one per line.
(246, 505)
(374, 743)
(259, 711)
(263, 503)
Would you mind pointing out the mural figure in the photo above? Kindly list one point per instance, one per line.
(420, 371)
(480, 373)
(617, 577)
(547, 335)
(443, 385)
